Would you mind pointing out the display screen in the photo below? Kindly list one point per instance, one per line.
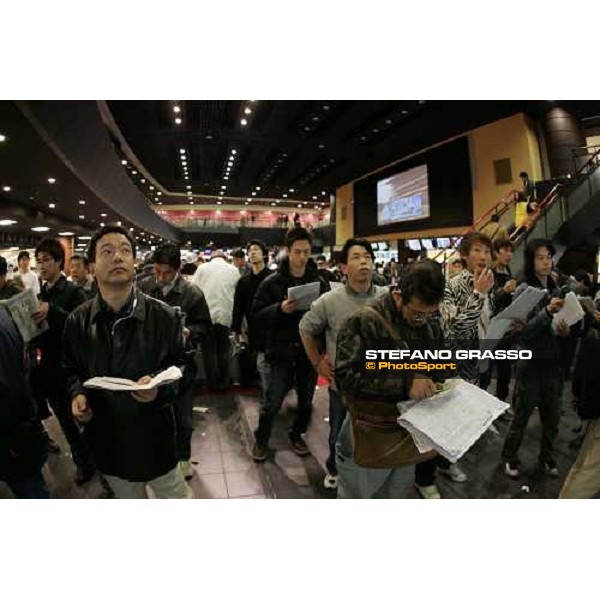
(414, 245)
(443, 242)
(403, 197)
(427, 244)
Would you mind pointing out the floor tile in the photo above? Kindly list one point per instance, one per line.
(244, 483)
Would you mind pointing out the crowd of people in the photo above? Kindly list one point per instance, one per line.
(110, 319)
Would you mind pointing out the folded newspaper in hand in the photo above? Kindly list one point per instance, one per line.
(304, 294)
(20, 308)
(116, 384)
(453, 420)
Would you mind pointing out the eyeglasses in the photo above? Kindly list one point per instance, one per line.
(422, 317)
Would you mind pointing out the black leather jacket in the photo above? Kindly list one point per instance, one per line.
(282, 335)
(129, 439)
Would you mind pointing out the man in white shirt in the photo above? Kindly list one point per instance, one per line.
(28, 277)
(217, 280)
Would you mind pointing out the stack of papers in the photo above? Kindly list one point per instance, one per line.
(116, 384)
(453, 420)
(571, 312)
(305, 294)
(20, 308)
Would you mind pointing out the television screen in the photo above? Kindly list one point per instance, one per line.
(403, 197)
(427, 244)
(414, 245)
(443, 242)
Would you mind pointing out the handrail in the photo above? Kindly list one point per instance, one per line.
(499, 208)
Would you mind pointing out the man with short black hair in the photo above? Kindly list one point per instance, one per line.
(407, 318)
(58, 299)
(169, 286)
(80, 275)
(245, 291)
(289, 364)
(124, 333)
(323, 270)
(326, 315)
(28, 277)
(239, 261)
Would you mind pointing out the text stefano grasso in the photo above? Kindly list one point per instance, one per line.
(448, 354)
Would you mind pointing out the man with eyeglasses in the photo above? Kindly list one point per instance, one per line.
(405, 318)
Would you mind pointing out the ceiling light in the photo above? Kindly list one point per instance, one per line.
(82, 216)
(254, 193)
(5, 222)
(143, 180)
(314, 197)
(219, 202)
(234, 152)
(226, 177)
(285, 195)
(178, 121)
(2, 138)
(223, 187)
(84, 237)
(189, 187)
(404, 112)
(119, 223)
(249, 199)
(244, 122)
(151, 187)
(273, 204)
(192, 202)
(82, 202)
(209, 137)
(247, 110)
(258, 187)
(131, 229)
(40, 229)
(104, 215)
(321, 146)
(323, 193)
(292, 190)
(159, 193)
(363, 138)
(66, 233)
(51, 180)
(299, 205)
(230, 163)
(6, 188)
(134, 172)
(123, 162)
(176, 109)
(182, 150)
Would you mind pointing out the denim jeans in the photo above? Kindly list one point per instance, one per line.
(264, 370)
(355, 481)
(283, 377)
(30, 487)
(546, 394)
(337, 414)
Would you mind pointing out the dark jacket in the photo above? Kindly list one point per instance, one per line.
(282, 335)
(129, 439)
(586, 375)
(245, 291)
(537, 335)
(9, 290)
(22, 448)
(63, 298)
(364, 331)
(191, 301)
(500, 298)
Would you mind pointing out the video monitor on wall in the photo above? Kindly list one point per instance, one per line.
(414, 245)
(427, 243)
(443, 242)
(403, 197)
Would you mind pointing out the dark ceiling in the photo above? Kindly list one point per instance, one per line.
(310, 147)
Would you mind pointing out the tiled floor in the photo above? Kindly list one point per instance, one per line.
(223, 468)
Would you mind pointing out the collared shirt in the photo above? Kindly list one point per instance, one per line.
(329, 312)
(168, 288)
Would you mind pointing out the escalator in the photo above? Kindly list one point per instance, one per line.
(568, 215)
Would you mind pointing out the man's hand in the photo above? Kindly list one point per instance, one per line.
(324, 368)
(510, 286)
(186, 333)
(41, 313)
(422, 387)
(597, 316)
(145, 395)
(288, 306)
(563, 329)
(484, 282)
(555, 305)
(80, 408)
